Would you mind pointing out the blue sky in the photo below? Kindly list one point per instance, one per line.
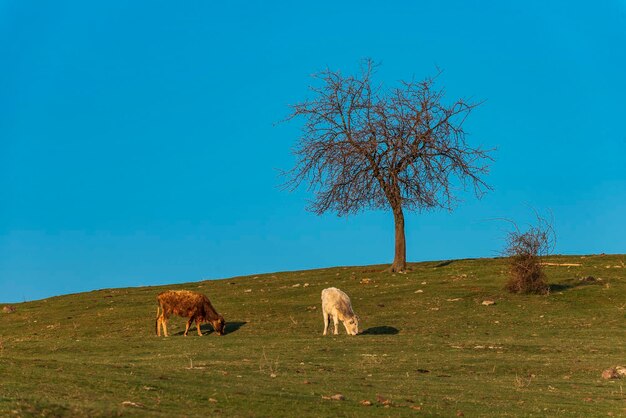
(139, 145)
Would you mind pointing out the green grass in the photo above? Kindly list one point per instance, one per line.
(95, 354)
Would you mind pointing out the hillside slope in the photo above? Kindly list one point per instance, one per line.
(429, 347)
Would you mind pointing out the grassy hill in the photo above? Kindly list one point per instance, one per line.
(430, 347)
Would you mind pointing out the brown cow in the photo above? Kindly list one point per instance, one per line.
(187, 304)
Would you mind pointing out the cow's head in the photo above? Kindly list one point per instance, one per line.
(219, 325)
(352, 325)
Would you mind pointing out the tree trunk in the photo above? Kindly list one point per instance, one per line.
(399, 259)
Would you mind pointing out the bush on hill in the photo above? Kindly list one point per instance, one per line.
(525, 249)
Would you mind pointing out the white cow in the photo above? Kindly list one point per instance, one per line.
(336, 304)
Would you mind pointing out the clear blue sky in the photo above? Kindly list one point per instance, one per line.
(138, 143)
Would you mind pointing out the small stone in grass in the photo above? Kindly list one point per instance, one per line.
(614, 373)
(337, 397)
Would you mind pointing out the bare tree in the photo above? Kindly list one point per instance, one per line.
(367, 147)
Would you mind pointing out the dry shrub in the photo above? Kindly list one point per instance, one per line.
(524, 251)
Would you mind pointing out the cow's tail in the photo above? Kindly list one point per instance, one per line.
(156, 321)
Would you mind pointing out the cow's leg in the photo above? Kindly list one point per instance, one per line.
(326, 321)
(157, 322)
(188, 325)
(336, 323)
(164, 324)
(161, 322)
(198, 326)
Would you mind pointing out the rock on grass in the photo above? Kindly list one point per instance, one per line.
(614, 373)
(337, 397)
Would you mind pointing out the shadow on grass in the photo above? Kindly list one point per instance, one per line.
(573, 283)
(448, 262)
(234, 326)
(208, 328)
(383, 330)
